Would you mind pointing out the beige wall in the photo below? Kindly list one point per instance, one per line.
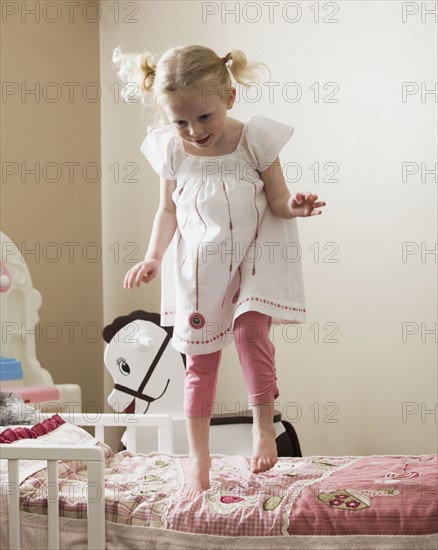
(346, 378)
(61, 219)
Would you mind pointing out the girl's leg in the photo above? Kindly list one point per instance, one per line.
(257, 358)
(199, 394)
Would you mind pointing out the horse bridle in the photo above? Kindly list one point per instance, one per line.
(139, 393)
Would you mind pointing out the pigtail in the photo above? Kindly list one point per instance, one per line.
(243, 71)
(137, 72)
(148, 69)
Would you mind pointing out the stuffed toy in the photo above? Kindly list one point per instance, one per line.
(13, 410)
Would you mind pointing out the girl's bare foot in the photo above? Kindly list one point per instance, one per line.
(263, 432)
(264, 448)
(198, 479)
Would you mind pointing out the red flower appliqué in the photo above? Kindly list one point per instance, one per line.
(196, 320)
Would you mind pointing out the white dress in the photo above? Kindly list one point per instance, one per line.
(229, 254)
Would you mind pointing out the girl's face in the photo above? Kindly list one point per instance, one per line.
(199, 117)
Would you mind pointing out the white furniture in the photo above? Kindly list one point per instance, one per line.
(19, 306)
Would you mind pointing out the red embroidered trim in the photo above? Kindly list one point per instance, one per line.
(236, 296)
(212, 339)
(230, 225)
(199, 244)
(289, 308)
(262, 300)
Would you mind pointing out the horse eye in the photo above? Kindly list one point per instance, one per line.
(123, 366)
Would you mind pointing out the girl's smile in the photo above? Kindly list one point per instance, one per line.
(202, 141)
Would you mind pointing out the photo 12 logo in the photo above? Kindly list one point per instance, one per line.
(69, 12)
(270, 12)
(419, 11)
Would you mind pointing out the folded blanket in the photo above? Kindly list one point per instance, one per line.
(14, 434)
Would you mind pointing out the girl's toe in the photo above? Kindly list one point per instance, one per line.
(255, 467)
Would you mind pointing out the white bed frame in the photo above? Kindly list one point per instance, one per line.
(95, 458)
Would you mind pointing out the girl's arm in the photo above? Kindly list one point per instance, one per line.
(162, 233)
(164, 222)
(281, 202)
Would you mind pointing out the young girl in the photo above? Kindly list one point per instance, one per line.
(234, 261)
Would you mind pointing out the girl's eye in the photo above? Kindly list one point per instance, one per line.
(204, 116)
(179, 122)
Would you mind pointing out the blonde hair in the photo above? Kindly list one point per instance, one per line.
(181, 69)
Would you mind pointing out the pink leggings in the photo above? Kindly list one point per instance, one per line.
(257, 359)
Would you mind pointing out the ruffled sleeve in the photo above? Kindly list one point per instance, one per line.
(158, 148)
(265, 139)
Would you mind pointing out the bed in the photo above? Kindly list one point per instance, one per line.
(88, 496)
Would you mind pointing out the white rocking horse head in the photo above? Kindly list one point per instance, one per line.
(144, 365)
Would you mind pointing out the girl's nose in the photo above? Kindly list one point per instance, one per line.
(194, 131)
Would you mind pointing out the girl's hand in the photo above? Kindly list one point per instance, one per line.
(144, 271)
(304, 204)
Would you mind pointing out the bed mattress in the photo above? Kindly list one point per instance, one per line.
(308, 502)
